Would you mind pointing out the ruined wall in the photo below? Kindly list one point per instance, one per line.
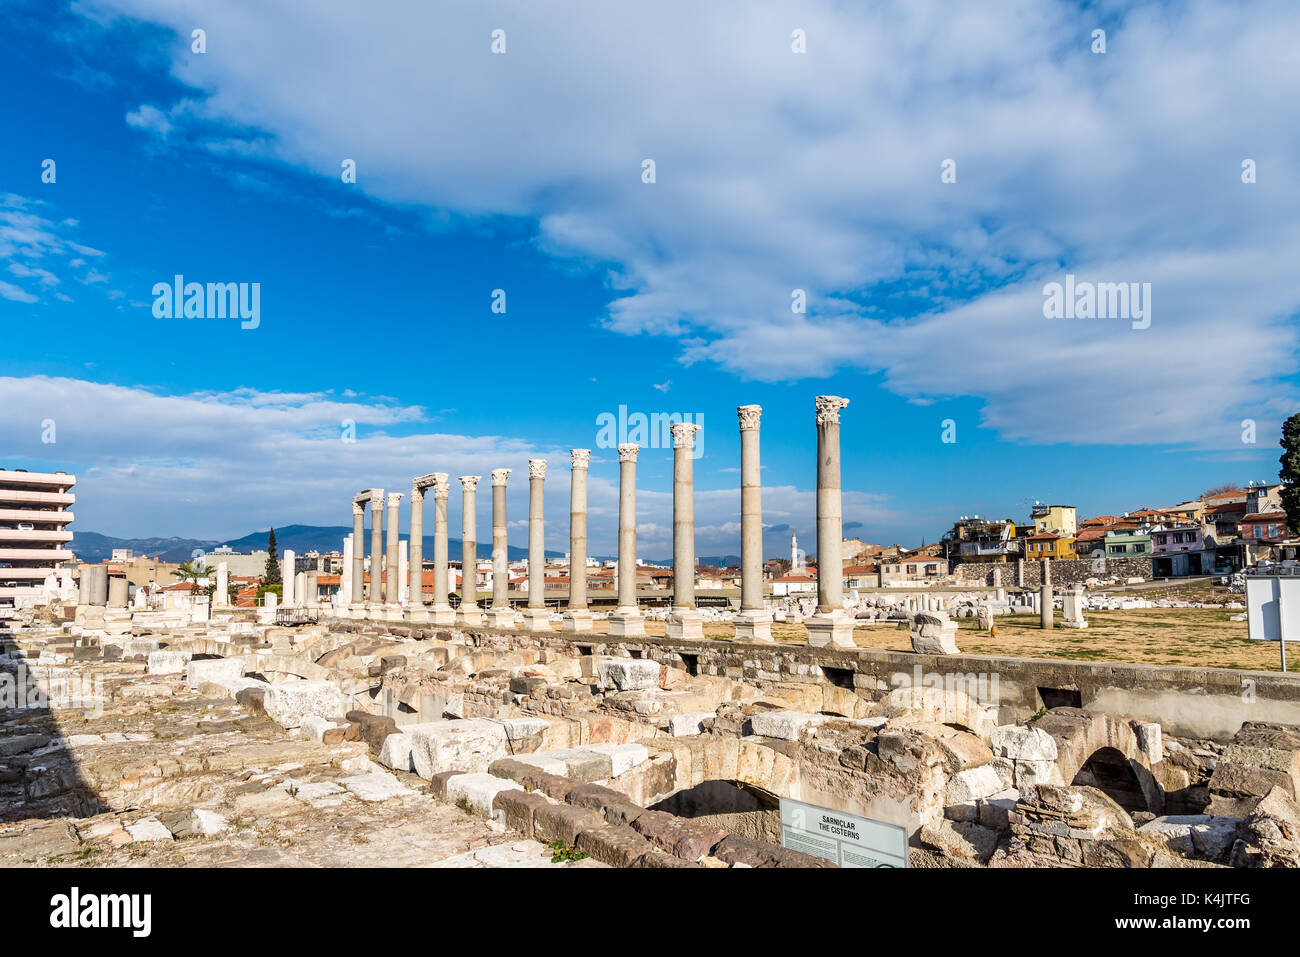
(1063, 572)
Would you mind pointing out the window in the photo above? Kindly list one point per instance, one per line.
(1139, 548)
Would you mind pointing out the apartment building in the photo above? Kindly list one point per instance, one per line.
(34, 537)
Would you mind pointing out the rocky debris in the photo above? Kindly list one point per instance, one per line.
(1198, 836)
(1270, 835)
(629, 674)
(1261, 757)
(288, 703)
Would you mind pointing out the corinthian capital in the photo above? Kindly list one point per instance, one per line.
(537, 468)
(749, 416)
(377, 500)
(394, 499)
(581, 457)
(469, 482)
(499, 476)
(628, 453)
(828, 408)
(684, 435)
(358, 509)
(441, 487)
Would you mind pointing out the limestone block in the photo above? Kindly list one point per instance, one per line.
(214, 670)
(168, 662)
(785, 725)
(629, 674)
(150, 829)
(478, 789)
(684, 725)
(1031, 773)
(1195, 835)
(375, 787)
(623, 757)
(286, 704)
(395, 752)
(469, 745)
(1023, 744)
(973, 784)
(1150, 740)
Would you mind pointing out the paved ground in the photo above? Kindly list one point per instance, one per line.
(120, 787)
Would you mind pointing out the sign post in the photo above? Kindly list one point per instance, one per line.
(848, 840)
(1273, 610)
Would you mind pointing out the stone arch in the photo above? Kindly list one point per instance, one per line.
(1101, 750)
(744, 763)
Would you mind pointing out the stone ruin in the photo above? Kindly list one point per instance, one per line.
(934, 633)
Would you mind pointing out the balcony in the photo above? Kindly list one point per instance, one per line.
(50, 555)
(9, 496)
(20, 536)
(35, 515)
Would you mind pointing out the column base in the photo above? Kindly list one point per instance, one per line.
(416, 613)
(685, 623)
(471, 616)
(1074, 624)
(442, 615)
(833, 628)
(537, 619)
(626, 624)
(356, 610)
(754, 625)
(501, 618)
(393, 612)
(577, 620)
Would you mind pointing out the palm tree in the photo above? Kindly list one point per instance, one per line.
(191, 571)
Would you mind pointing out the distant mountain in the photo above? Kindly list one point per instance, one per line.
(94, 547)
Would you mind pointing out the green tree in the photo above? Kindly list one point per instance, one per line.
(191, 572)
(1289, 473)
(272, 576)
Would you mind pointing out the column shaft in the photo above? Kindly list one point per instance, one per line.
(415, 589)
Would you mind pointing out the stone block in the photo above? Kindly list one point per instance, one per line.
(478, 789)
(973, 784)
(736, 850)
(215, 670)
(785, 725)
(684, 725)
(628, 674)
(614, 844)
(1023, 744)
(168, 662)
(564, 822)
(518, 808)
(689, 840)
(286, 704)
(396, 753)
(470, 744)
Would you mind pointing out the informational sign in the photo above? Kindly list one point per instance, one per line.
(846, 839)
(1273, 609)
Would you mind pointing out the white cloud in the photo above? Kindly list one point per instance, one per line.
(820, 171)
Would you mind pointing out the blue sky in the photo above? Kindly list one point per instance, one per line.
(522, 171)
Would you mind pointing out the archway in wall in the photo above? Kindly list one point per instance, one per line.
(741, 808)
(1112, 773)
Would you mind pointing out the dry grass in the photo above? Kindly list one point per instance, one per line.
(1192, 637)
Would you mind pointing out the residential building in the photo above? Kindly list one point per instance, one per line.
(796, 583)
(1057, 519)
(972, 539)
(35, 538)
(862, 576)
(902, 571)
(1128, 544)
(1049, 545)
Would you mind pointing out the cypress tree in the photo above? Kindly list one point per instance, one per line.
(1289, 473)
(272, 576)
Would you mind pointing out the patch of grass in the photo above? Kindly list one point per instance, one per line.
(464, 805)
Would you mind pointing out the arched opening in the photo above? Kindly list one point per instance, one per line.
(740, 808)
(1112, 773)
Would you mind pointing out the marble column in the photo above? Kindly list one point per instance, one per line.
(1045, 609)
(441, 613)
(831, 625)
(221, 594)
(415, 610)
(577, 617)
(118, 587)
(684, 619)
(99, 585)
(392, 561)
(536, 616)
(311, 588)
(375, 594)
(358, 607)
(626, 619)
(470, 613)
(753, 621)
(500, 615)
(286, 577)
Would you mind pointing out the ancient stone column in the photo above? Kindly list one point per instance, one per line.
(221, 595)
(415, 610)
(286, 577)
(536, 616)
(358, 609)
(500, 615)
(99, 585)
(470, 613)
(441, 613)
(1045, 609)
(311, 588)
(684, 620)
(374, 596)
(577, 617)
(626, 619)
(392, 582)
(753, 621)
(118, 587)
(831, 625)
